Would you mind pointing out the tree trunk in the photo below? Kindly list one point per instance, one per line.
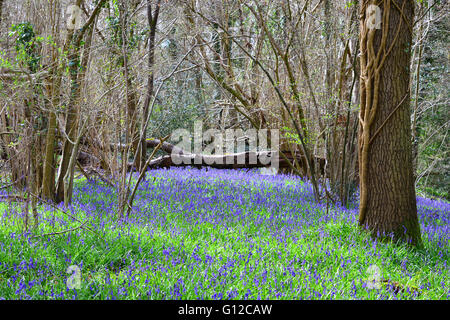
(1, 10)
(48, 179)
(388, 199)
(73, 44)
(152, 21)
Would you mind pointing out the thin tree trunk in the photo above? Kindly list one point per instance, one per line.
(416, 93)
(1, 10)
(48, 182)
(152, 21)
(76, 79)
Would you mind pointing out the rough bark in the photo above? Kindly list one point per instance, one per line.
(388, 200)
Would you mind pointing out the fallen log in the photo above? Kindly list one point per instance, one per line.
(229, 161)
(217, 161)
(226, 161)
(179, 158)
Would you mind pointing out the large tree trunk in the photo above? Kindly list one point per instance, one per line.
(388, 199)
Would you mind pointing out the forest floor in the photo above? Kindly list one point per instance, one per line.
(216, 234)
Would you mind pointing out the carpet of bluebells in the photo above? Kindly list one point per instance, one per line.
(217, 234)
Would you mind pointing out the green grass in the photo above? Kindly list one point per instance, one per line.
(171, 253)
